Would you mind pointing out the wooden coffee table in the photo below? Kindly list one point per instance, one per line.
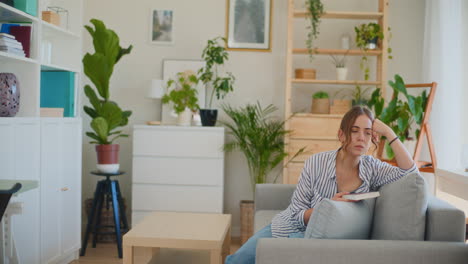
(181, 231)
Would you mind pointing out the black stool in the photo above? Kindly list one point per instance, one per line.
(106, 191)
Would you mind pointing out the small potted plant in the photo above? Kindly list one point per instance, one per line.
(340, 64)
(320, 103)
(315, 11)
(182, 93)
(215, 55)
(106, 115)
(368, 35)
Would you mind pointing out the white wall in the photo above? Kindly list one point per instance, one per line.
(260, 76)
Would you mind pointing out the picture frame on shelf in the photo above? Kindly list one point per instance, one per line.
(240, 16)
(162, 27)
(170, 69)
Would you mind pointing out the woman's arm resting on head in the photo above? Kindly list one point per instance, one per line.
(402, 156)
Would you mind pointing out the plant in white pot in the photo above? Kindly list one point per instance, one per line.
(215, 55)
(106, 115)
(182, 93)
(340, 64)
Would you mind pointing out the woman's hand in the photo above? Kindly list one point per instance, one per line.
(381, 128)
(339, 197)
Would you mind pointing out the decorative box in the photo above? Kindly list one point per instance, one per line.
(51, 17)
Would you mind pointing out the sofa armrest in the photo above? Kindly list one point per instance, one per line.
(444, 222)
(324, 251)
(270, 196)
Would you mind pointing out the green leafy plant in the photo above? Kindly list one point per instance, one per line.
(259, 136)
(315, 11)
(365, 34)
(98, 67)
(215, 55)
(320, 95)
(399, 115)
(183, 93)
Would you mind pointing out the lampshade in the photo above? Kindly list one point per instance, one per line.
(156, 90)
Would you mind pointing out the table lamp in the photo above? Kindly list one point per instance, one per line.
(155, 91)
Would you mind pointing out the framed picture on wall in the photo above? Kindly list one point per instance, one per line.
(248, 25)
(162, 27)
(170, 70)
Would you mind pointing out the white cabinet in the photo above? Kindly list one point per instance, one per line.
(60, 189)
(20, 160)
(177, 169)
(47, 150)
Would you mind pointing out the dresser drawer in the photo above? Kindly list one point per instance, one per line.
(315, 126)
(312, 146)
(178, 171)
(149, 197)
(179, 142)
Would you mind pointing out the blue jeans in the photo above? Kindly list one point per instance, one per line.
(246, 253)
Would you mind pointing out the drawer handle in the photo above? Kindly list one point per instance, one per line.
(64, 189)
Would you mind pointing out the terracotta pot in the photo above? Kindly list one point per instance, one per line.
(321, 106)
(108, 158)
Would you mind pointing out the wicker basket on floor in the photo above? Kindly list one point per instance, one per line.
(247, 217)
(107, 219)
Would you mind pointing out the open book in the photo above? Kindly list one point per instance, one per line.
(361, 196)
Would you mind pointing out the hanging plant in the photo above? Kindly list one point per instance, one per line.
(367, 37)
(315, 8)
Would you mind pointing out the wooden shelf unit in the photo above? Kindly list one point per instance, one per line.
(319, 132)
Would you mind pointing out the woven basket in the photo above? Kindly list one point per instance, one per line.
(107, 219)
(320, 106)
(247, 216)
(340, 106)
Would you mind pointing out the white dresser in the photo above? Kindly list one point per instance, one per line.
(177, 169)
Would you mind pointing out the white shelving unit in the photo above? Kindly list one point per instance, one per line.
(47, 150)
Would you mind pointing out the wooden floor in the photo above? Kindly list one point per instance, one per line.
(106, 253)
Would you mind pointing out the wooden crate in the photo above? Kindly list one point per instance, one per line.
(312, 146)
(305, 73)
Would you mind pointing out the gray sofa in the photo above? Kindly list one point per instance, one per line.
(445, 236)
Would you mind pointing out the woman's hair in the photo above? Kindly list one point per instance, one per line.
(348, 121)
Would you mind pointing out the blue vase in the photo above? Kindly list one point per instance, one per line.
(9, 95)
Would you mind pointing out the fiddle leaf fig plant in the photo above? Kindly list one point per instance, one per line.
(106, 115)
(399, 115)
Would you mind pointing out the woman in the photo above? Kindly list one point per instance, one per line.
(333, 174)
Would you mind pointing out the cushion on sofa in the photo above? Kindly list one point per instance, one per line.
(341, 220)
(400, 211)
(263, 218)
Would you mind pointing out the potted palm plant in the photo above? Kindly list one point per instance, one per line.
(183, 95)
(215, 55)
(106, 115)
(260, 138)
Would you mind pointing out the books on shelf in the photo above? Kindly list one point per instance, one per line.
(9, 44)
(23, 35)
(361, 196)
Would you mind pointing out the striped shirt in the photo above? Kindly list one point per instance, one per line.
(318, 182)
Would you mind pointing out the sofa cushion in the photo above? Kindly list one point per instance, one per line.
(341, 220)
(400, 211)
(263, 218)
